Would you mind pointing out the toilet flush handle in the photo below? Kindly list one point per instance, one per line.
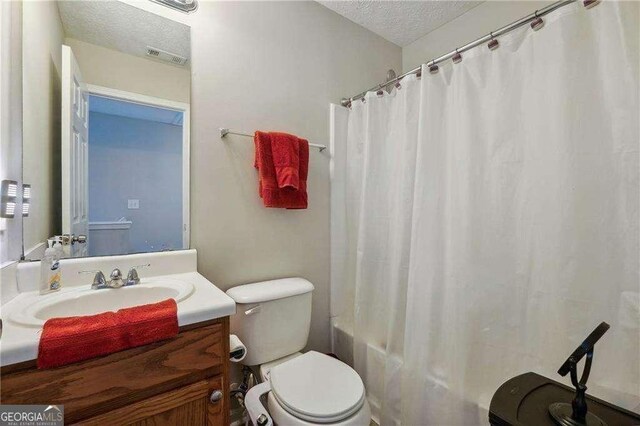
(253, 310)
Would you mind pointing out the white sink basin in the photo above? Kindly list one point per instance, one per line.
(172, 274)
(85, 301)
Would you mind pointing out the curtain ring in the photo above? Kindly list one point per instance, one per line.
(590, 3)
(537, 23)
(493, 43)
(433, 68)
(457, 58)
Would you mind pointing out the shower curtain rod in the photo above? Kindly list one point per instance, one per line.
(497, 33)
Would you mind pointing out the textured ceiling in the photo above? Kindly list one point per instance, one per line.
(400, 22)
(122, 27)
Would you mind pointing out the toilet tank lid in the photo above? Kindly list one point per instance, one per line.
(265, 291)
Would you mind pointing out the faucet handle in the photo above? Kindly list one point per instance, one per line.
(132, 276)
(99, 280)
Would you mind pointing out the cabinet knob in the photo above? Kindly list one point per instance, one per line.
(216, 396)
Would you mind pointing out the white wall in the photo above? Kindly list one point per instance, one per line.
(42, 57)
(109, 68)
(270, 66)
(475, 23)
(10, 124)
(137, 159)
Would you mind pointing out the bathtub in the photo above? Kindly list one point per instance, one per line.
(374, 377)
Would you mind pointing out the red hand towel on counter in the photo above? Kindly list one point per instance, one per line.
(72, 339)
(269, 189)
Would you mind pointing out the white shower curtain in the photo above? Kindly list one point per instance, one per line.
(492, 220)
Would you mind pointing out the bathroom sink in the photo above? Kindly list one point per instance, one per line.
(85, 301)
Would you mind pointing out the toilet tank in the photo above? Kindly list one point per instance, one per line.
(272, 318)
(109, 238)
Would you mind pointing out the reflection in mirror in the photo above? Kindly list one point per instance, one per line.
(106, 128)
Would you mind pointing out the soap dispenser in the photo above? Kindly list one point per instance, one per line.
(57, 244)
(50, 273)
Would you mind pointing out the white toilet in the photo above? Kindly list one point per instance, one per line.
(272, 319)
(109, 238)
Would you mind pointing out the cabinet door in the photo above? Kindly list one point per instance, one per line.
(217, 403)
(186, 406)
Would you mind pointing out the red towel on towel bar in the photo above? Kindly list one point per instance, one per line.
(72, 339)
(286, 159)
(282, 161)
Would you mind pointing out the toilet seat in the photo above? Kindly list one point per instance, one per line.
(317, 388)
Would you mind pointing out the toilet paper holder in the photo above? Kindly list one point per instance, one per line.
(237, 350)
(235, 354)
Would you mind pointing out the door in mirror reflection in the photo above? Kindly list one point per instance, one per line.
(135, 175)
(122, 161)
(75, 135)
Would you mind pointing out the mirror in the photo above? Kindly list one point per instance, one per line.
(106, 89)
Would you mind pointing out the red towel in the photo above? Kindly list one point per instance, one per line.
(286, 159)
(72, 339)
(277, 184)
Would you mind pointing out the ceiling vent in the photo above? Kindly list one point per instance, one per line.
(165, 56)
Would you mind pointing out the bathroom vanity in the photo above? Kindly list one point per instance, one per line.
(181, 380)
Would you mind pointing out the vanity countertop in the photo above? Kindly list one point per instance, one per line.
(206, 302)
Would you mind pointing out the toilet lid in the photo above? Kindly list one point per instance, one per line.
(317, 388)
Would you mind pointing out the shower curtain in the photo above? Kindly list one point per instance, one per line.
(489, 220)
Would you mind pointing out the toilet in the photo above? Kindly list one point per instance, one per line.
(272, 319)
(109, 238)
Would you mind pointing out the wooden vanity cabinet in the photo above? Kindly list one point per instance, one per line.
(188, 405)
(180, 381)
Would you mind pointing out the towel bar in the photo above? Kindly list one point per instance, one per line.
(224, 132)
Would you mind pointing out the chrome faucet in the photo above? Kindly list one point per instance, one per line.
(115, 278)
